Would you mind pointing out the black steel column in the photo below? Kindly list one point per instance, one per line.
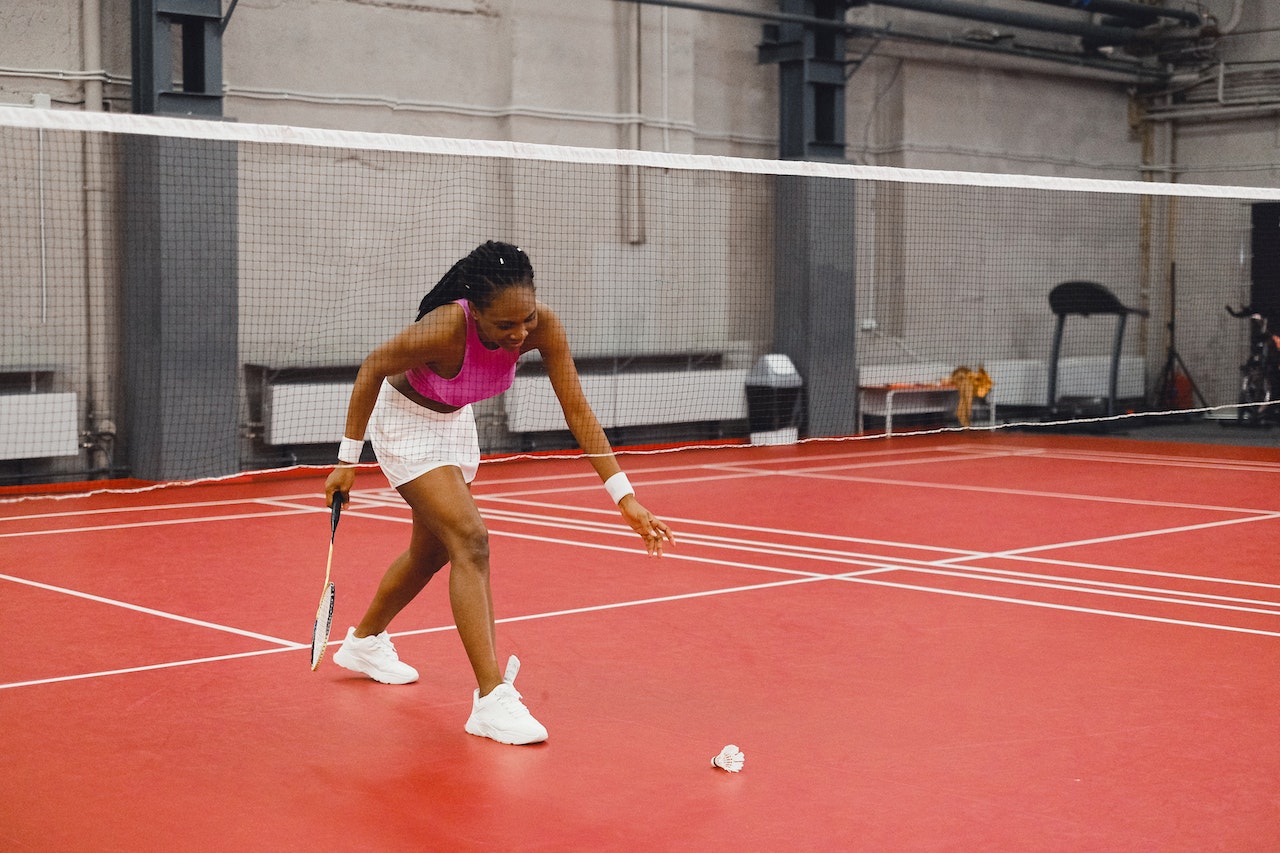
(199, 22)
(179, 311)
(811, 65)
(814, 320)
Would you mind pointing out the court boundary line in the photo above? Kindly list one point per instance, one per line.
(906, 563)
(737, 470)
(1032, 493)
(886, 563)
(945, 567)
(1067, 607)
(809, 578)
(963, 554)
(867, 575)
(150, 611)
(860, 577)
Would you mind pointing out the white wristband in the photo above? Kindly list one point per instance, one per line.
(349, 450)
(618, 487)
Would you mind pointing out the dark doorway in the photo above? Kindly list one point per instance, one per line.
(1264, 290)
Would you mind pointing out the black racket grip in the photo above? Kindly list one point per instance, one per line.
(339, 498)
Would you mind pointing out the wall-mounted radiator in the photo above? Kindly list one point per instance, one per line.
(35, 425)
(638, 398)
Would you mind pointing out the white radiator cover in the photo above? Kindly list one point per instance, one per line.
(305, 412)
(633, 399)
(37, 425)
(1089, 376)
(316, 412)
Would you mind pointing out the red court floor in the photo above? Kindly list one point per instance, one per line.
(961, 642)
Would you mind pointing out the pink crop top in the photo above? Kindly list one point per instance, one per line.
(484, 373)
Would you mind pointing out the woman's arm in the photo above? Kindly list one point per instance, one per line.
(440, 336)
(551, 341)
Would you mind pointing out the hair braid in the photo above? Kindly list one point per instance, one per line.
(490, 269)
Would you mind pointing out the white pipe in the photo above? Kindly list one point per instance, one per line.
(636, 105)
(91, 28)
(635, 230)
(666, 84)
(1234, 20)
(44, 265)
(99, 305)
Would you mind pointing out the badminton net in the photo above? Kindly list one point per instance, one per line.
(191, 299)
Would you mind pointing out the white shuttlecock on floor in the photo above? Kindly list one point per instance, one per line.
(730, 758)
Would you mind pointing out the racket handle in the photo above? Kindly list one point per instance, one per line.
(339, 498)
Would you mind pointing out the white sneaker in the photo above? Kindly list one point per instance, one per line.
(376, 657)
(502, 716)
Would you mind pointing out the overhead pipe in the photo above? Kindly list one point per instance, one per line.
(778, 17)
(862, 31)
(1109, 66)
(1098, 34)
(1137, 12)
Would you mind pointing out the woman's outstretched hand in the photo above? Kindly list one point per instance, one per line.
(653, 530)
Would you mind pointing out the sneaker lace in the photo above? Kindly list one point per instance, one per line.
(382, 645)
(509, 699)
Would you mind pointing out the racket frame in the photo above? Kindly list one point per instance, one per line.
(324, 613)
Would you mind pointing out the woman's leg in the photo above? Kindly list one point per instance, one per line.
(445, 516)
(404, 579)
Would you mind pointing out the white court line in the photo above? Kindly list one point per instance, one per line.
(736, 470)
(75, 513)
(1102, 567)
(862, 577)
(739, 471)
(939, 567)
(782, 550)
(1067, 607)
(1033, 493)
(982, 574)
(725, 471)
(1213, 463)
(81, 676)
(151, 612)
(1139, 534)
(662, 599)
(958, 554)
(95, 528)
(798, 577)
(772, 531)
(285, 504)
(421, 631)
(1114, 590)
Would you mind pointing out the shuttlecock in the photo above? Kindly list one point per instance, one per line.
(730, 758)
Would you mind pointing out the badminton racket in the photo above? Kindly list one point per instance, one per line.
(324, 613)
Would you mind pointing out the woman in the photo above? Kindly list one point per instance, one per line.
(412, 396)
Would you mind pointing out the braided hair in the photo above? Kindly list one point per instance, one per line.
(479, 277)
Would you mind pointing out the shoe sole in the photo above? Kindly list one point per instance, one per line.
(345, 662)
(503, 737)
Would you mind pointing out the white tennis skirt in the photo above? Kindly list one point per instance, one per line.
(411, 440)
